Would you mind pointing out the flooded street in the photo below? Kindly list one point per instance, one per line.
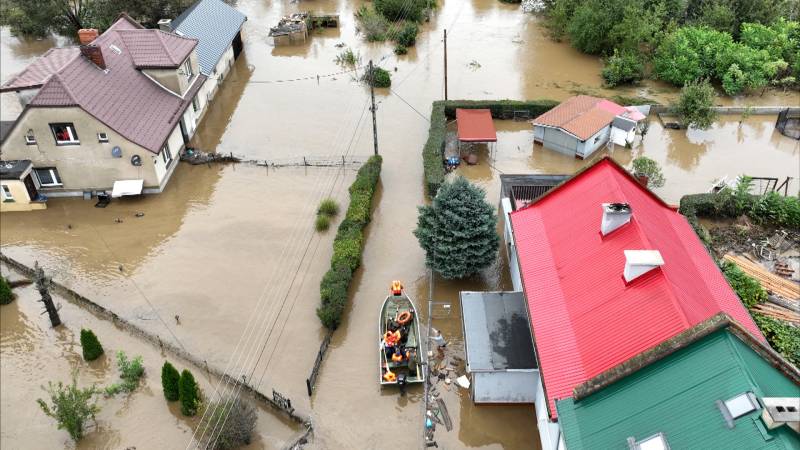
(227, 247)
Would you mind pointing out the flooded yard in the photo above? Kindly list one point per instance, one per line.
(228, 246)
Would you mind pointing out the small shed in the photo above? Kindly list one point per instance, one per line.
(499, 348)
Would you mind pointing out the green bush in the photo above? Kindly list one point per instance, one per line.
(70, 406)
(433, 151)
(406, 36)
(90, 345)
(328, 207)
(378, 77)
(775, 209)
(400, 49)
(348, 245)
(643, 165)
(747, 288)
(694, 106)
(130, 371)
(396, 10)
(6, 296)
(623, 67)
(170, 378)
(322, 222)
(784, 338)
(373, 25)
(188, 393)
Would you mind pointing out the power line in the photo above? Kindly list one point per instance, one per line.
(409, 105)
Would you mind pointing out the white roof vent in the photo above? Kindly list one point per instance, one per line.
(639, 262)
(655, 442)
(781, 411)
(165, 25)
(615, 215)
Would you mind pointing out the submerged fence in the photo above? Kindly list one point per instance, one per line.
(323, 348)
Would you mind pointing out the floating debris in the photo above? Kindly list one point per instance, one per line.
(196, 157)
(474, 65)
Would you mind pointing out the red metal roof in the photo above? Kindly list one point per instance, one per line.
(584, 317)
(475, 125)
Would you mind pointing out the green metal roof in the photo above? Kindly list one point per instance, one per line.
(677, 396)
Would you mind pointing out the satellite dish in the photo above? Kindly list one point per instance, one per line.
(116, 152)
(136, 160)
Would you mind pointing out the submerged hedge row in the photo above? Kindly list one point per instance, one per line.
(433, 151)
(348, 244)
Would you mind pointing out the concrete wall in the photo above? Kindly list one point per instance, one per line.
(560, 141)
(87, 166)
(21, 200)
(597, 140)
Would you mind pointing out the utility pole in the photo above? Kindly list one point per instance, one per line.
(373, 108)
(43, 286)
(445, 64)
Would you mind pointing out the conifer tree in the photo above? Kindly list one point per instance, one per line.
(170, 379)
(90, 345)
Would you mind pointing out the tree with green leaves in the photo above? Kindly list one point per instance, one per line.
(458, 230)
(695, 105)
(170, 378)
(90, 345)
(70, 406)
(189, 393)
(130, 371)
(623, 67)
(649, 168)
(6, 296)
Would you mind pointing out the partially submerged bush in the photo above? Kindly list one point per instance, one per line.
(227, 424)
(348, 245)
(70, 406)
(406, 34)
(348, 58)
(694, 106)
(623, 67)
(170, 378)
(373, 25)
(400, 49)
(189, 393)
(378, 77)
(322, 222)
(649, 168)
(328, 207)
(396, 10)
(90, 345)
(130, 371)
(6, 296)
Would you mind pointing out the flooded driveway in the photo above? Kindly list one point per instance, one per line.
(225, 247)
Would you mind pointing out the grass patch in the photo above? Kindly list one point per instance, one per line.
(328, 207)
(348, 245)
(433, 151)
(322, 222)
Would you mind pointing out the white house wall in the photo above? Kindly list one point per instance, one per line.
(597, 140)
(549, 432)
(511, 248)
(175, 143)
(560, 141)
(209, 90)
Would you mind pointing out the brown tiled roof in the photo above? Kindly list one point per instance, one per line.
(155, 48)
(579, 115)
(122, 97)
(37, 72)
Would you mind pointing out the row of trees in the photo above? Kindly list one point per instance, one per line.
(43, 17)
(741, 44)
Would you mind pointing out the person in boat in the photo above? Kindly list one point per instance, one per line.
(397, 288)
(397, 356)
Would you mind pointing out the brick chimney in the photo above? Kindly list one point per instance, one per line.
(94, 54)
(87, 35)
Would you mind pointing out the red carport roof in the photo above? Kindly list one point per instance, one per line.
(475, 125)
(585, 318)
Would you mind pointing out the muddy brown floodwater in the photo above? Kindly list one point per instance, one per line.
(231, 249)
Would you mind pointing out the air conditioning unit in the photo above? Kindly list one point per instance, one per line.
(781, 411)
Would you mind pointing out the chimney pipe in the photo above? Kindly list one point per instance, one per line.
(615, 215)
(639, 262)
(165, 25)
(87, 35)
(94, 54)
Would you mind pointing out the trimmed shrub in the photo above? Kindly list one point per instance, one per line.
(170, 378)
(188, 393)
(6, 296)
(90, 345)
(747, 288)
(233, 421)
(433, 151)
(348, 245)
(328, 207)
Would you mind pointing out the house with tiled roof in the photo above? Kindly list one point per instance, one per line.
(119, 107)
(580, 125)
(714, 386)
(217, 27)
(609, 271)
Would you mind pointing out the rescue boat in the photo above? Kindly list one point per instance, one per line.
(401, 355)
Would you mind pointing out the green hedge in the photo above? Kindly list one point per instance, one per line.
(784, 338)
(748, 289)
(433, 151)
(348, 245)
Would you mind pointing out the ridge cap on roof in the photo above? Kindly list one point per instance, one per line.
(678, 342)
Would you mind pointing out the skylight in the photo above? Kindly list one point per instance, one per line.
(115, 49)
(741, 404)
(655, 442)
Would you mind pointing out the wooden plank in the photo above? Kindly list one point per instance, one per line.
(771, 282)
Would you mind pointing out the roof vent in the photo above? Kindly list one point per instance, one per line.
(165, 25)
(781, 411)
(639, 262)
(655, 442)
(615, 215)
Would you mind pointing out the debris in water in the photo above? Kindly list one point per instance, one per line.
(463, 381)
(474, 65)
(177, 319)
(340, 45)
(195, 157)
(139, 214)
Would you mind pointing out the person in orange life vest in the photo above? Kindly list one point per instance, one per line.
(397, 288)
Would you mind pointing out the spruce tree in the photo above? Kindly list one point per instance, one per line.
(170, 379)
(189, 393)
(458, 231)
(90, 345)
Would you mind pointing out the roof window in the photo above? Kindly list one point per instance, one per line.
(737, 406)
(655, 442)
(115, 49)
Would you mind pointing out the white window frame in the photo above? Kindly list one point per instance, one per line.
(53, 174)
(187, 69)
(73, 135)
(166, 155)
(30, 139)
(102, 137)
(6, 193)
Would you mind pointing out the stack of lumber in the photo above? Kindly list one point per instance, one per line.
(769, 281)
(778, 312)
